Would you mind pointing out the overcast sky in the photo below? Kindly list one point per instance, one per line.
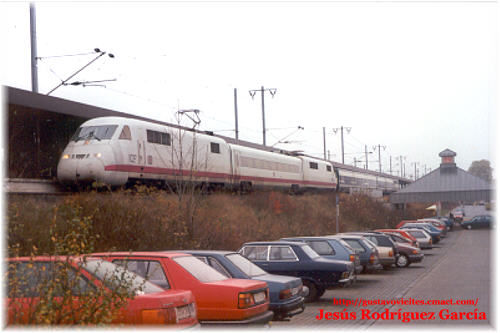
(415, 77)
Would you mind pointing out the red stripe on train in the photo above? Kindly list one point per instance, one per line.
(218, 175)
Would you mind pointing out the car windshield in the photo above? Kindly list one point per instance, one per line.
(245, 265)
(400, 239)
(104, 132)
(417, 234)
(199, 269)
(355, 244)
(433, 228)
(369, 243)
(344, 244)
(418, 226)
(310, 252)
(114, 276)
(321, 247)
(384, 241)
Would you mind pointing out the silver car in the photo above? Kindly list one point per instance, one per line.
(423, 238)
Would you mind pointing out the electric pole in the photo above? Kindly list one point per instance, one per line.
(366, 158)
(379, 158)
(272, 91)
(236, 112)
(402, 166)
(34, 69)
(324, 143)
(348, 129)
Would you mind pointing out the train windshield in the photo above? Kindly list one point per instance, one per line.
(104, 132)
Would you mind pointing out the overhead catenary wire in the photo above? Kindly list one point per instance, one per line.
(64, 55)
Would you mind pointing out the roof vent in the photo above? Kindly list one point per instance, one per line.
(448, 161)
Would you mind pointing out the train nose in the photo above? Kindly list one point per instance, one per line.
(80, 168)
(89, 169)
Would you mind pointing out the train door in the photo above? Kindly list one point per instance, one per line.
(141, 150)
(234, 166)
(123, 146)
(231, 167)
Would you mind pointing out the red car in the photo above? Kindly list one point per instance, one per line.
(220, 300)
(30, 278)
(402, 223)
(401, 232)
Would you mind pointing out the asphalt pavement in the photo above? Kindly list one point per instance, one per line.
(457, 269)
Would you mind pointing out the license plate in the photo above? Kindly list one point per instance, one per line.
(183, 312)
(259, 297)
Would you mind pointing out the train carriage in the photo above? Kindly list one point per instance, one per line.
(254, 168)
(116, 151)
(318, 174)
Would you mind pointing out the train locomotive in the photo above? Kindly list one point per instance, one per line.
(116, 151)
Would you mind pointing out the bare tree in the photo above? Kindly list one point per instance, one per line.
(187, 158)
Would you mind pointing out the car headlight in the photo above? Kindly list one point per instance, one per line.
(65, 157)
(97, 155)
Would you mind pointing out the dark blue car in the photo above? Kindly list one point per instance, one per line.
(330, 248)
(447, 220)
(286, 292)
(368, 254)
(480, 221)
(298, 259)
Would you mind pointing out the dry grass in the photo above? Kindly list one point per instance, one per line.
(159, 221)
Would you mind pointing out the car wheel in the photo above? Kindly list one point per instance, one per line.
(403, 261)
(313, 291)
(321, 291)
(469, 227)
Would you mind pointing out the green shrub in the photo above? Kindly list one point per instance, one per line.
(53, 292)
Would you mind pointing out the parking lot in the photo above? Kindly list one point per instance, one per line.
(457, 268)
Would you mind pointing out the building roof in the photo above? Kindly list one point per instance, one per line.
(447, 184)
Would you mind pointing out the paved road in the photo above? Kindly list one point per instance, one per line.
(457, 268)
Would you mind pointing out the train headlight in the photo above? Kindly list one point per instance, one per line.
(97, 155)
(65, 157)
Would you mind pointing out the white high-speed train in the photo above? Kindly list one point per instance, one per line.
(116, 151)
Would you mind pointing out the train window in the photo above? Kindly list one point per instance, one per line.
(329, 168)
(214, 147)
(165, 139)
(158, 137)
(104, 132)
(313, 165)
(151, 136)
(250, 162)
(125, 134)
